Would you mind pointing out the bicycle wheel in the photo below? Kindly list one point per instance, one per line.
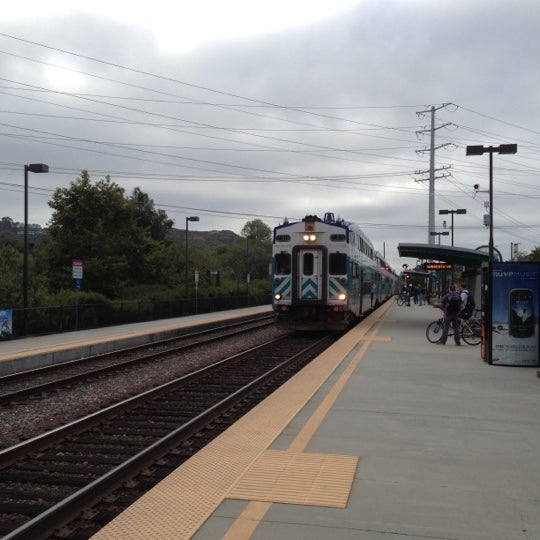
(434, 331)
(471, 333)
(400, 301)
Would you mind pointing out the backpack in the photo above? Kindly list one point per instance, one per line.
(453, 307)
(470, 304)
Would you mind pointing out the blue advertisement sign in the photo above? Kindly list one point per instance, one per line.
(6, 323)
(514, 337)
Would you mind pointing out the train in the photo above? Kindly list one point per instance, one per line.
(326, 275)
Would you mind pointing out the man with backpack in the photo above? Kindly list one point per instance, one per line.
(467, 302)
(451, 305)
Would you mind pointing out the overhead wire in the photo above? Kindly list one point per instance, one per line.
(250, 103)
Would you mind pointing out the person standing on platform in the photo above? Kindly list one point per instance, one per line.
(451, 306)
(422, 296)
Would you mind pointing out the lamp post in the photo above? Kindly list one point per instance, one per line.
(188, 219)
(35, 168)
(439, 234)
(478, 151)
(248, 276)
(458, 211)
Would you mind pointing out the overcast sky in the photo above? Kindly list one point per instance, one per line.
(269, 109)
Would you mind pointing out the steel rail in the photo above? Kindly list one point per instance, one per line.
(61, 513)
(73, 379)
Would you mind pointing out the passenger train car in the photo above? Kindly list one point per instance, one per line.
(326, 274)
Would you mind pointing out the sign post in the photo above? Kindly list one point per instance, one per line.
(196, 289)
(77, 273)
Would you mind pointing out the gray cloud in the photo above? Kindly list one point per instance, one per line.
(306, 120)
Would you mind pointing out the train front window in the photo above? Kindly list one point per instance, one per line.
(283, 263)
(337, 263)
(308, 264)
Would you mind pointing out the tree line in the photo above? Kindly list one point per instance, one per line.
(129, 251)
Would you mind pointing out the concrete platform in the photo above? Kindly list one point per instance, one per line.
(35, 352)
(427, 442)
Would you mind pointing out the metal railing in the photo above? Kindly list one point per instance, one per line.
(54, 319)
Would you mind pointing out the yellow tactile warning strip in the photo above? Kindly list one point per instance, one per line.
(292, 478)
(178, 506)
(254, 513)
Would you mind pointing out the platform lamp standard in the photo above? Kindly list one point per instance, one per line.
(478, 151)
(458, 211)
(248, 275)
(439, 234)
(35, 168)
(188, 219)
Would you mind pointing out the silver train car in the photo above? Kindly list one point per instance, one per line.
(326, 274)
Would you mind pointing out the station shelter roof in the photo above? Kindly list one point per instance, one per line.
(450, 254)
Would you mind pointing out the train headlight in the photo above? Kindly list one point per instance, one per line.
(277, 296)
(310, 237)
(342, 296)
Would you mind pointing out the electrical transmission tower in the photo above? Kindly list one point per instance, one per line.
(432, 170)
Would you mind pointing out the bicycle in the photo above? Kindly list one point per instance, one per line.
(402, 299)
(470, 330)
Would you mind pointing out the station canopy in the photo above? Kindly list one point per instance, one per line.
(449, 254)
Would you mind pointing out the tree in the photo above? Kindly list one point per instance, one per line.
(256, 229)
(534, 255)
(249, 253)
(98, 225)
(11, 271)
(6, 224)
(155, 221)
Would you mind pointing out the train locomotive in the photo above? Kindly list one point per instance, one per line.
(326, 274)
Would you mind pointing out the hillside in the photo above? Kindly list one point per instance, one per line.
(12, 233)
(203, 238)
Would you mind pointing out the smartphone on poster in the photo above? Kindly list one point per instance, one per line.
(521, 313)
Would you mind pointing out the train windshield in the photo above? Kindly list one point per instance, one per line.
(337, 263)
(283, 263)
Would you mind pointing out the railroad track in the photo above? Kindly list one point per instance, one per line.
(48, 379)
(71, 481)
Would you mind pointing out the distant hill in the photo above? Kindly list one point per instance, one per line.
(203, 238)
(10, 229)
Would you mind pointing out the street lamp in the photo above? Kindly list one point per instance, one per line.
(248, 276)
(188, 219)
(458, 211)
(478, 151)
(439, 234)
(35, 168)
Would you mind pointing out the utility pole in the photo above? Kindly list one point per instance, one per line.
(432, 170)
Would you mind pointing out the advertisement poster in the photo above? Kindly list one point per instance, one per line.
(6, 323)
(515, 314)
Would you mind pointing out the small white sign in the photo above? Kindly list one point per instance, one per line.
(77, 270)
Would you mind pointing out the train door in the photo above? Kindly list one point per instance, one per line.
(310, 265)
